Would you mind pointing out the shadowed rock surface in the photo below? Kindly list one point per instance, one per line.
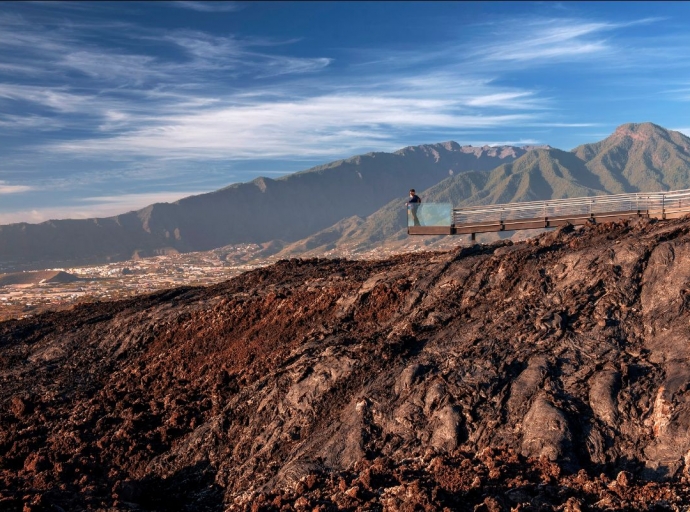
(546, 375)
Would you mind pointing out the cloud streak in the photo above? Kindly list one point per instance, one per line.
(13, 189)
(557, 40)
(95, 206)
(208, 6)
(320, 126)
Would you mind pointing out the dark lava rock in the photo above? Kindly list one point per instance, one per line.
(546, 375)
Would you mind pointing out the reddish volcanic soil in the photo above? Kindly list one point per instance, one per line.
(546, 375)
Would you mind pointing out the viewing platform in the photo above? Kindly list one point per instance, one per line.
(443, 219)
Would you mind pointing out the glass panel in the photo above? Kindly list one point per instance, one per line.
(429, 214)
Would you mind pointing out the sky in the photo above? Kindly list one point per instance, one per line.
(108, 107)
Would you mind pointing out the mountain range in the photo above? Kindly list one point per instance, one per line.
(287, 209)
(355, 205)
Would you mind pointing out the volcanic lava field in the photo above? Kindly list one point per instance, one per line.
(550, 374)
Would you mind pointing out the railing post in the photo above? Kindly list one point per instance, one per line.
(663, 206)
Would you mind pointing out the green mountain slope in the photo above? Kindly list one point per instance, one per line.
(640, 157)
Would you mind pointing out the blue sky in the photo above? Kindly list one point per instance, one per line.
(108, 107)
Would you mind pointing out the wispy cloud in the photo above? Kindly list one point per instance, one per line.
(30, 122)
(33, 49)
(109, 66)
(506, 100)
(556, 39)
(54, 98)
(549, 124)
(208, 6)
(13, 189)
(325, 125)
(136, 201)
(96, 206)
(680, 94)
(547, 40)
(240, 56)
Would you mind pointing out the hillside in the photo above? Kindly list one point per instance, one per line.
(550, 374)
(45, 276)
(288, 209)
(639, 157)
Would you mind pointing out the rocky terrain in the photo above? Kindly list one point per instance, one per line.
(550, 374)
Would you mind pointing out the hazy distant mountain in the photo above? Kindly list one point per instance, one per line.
(636, 157)
(288, 209)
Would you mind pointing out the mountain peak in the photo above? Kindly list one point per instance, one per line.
(640, 131)
(648, 133)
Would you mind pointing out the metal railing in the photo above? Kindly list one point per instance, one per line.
(441, 219)
(652, 204)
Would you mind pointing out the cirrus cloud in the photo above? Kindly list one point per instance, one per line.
(13, 189)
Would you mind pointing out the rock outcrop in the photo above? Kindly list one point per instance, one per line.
(550, 374)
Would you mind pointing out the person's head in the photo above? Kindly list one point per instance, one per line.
(412, 192)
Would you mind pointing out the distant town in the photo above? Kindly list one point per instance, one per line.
(36, 293)
(24, 294)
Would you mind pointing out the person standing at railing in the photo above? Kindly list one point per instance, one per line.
(412, 206)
